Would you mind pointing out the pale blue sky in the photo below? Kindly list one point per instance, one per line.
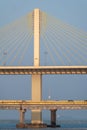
(70, 11)
(73, 12)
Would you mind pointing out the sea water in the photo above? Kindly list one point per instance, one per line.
(65, 125)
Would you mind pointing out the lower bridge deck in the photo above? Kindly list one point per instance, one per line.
(47, 104)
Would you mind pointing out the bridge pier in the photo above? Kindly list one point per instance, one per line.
(36, 79)
(36, 117)
(22, 117)
(36, 96)
(36, 120)
(53, 118)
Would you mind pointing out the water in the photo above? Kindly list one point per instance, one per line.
(65, 125)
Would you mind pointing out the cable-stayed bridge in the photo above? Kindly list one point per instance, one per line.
(40, 44)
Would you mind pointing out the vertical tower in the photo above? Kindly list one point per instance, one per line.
(36, 79)
(36, 37)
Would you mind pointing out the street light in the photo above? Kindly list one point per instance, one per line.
(49, 94)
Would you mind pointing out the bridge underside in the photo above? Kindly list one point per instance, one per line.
(29, 70)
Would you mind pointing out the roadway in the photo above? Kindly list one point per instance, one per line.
(49, 104)
(29, 70)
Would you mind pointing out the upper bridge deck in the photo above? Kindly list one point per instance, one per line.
(28, 70)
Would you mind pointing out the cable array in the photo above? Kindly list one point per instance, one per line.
(60, 43)
(15, 40)
(64, 43)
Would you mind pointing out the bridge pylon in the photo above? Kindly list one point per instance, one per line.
(36, 79)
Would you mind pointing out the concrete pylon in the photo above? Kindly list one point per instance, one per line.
(21, 123)
(36, 79)
(22, 116)
(36, 96)
(53, 118)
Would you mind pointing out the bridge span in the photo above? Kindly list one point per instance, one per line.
(30, 70)
(53, 105)
(44, 104)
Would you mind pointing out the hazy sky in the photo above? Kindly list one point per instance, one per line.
(73, 12)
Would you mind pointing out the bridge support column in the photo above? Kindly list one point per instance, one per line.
(36, 96)
(53, 118)
(36, 79)
(21, 122)
(22, 115)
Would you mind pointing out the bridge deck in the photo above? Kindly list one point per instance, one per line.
(26, 104)
(26, 70)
